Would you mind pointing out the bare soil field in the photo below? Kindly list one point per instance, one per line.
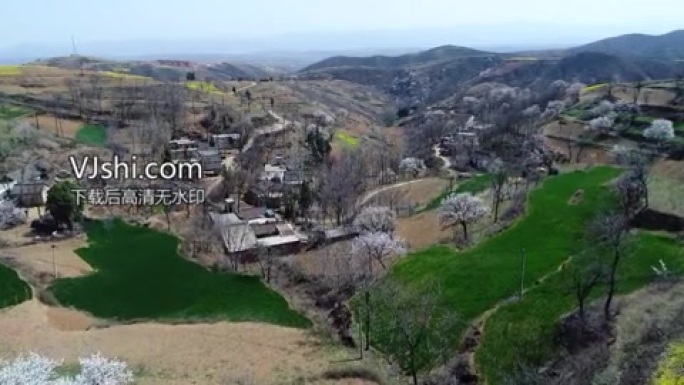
(666, 184)
(422, 230)
(648, 96)
(219, 353)
(37, 259)
(571, 129)
(67, 128)
(206, 354)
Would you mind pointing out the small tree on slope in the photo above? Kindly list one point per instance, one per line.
(461, 209)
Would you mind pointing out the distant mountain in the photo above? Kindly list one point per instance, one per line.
(669, 46)
(412, 59)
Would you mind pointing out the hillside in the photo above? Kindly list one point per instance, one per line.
(416, 80)
(669, 46)
(435, 54)
(165, 70)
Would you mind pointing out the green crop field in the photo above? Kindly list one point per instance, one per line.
(475, 280)
(140, 275)
(10, 70)
(92, 134)
(346, 139)
(12, 289)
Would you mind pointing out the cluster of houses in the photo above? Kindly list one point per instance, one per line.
(210, 155)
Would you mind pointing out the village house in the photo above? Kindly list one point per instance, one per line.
(247, 238)
(27, 186)
(225, 142)
(211, 161)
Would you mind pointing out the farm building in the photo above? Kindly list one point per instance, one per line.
(210, 161)
(225, 142)
(246, 239)
(29, 193)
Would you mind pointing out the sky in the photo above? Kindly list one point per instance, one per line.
(53, 22)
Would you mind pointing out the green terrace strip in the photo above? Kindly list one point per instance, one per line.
(140, 275)
(523, 332)
(9, 112)
(13, 290)
(92, 134)
(475, 280)
(473, 185)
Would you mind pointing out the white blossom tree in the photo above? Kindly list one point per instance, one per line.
(34, 369)
(367, 250)
(602, 124)
(376, 219)
(553, 109)
(412, 166)
(603, 108)
(461, 209)
(660, 130)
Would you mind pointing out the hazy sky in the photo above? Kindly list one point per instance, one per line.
(54, 21)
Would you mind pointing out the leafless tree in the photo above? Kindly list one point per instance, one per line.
(367, 250)
(499, 177)
(610, 232)
(96, 90)
(587, 271)
(413, 326)
(343, 183)
(461, 209)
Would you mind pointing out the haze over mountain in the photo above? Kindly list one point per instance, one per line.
(226, 29)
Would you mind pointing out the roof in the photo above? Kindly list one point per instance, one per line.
(278, 240)
(182, 141)
(292, 176)
(265, 230)
(236, 235)
(28, 173)
(226, 136)
(252, 213)
(208, 153)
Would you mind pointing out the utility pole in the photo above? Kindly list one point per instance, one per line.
(54, 265)
(522, 272)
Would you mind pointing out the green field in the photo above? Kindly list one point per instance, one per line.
(140, 275)
(346, 139)
(12, 289)
(476, 280)
(92, 134)
(9, 112)
(10, 70)
(473, 185)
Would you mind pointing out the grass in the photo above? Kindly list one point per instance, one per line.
(140, 275)
(9, 112)
(204, 87)
(120, 75)
(346, 139)
(13, 290)
(593, 87)
(92, 134)
(523, 332)
(473, 185)
(475, 280)
(670, 371)
(10, 70)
